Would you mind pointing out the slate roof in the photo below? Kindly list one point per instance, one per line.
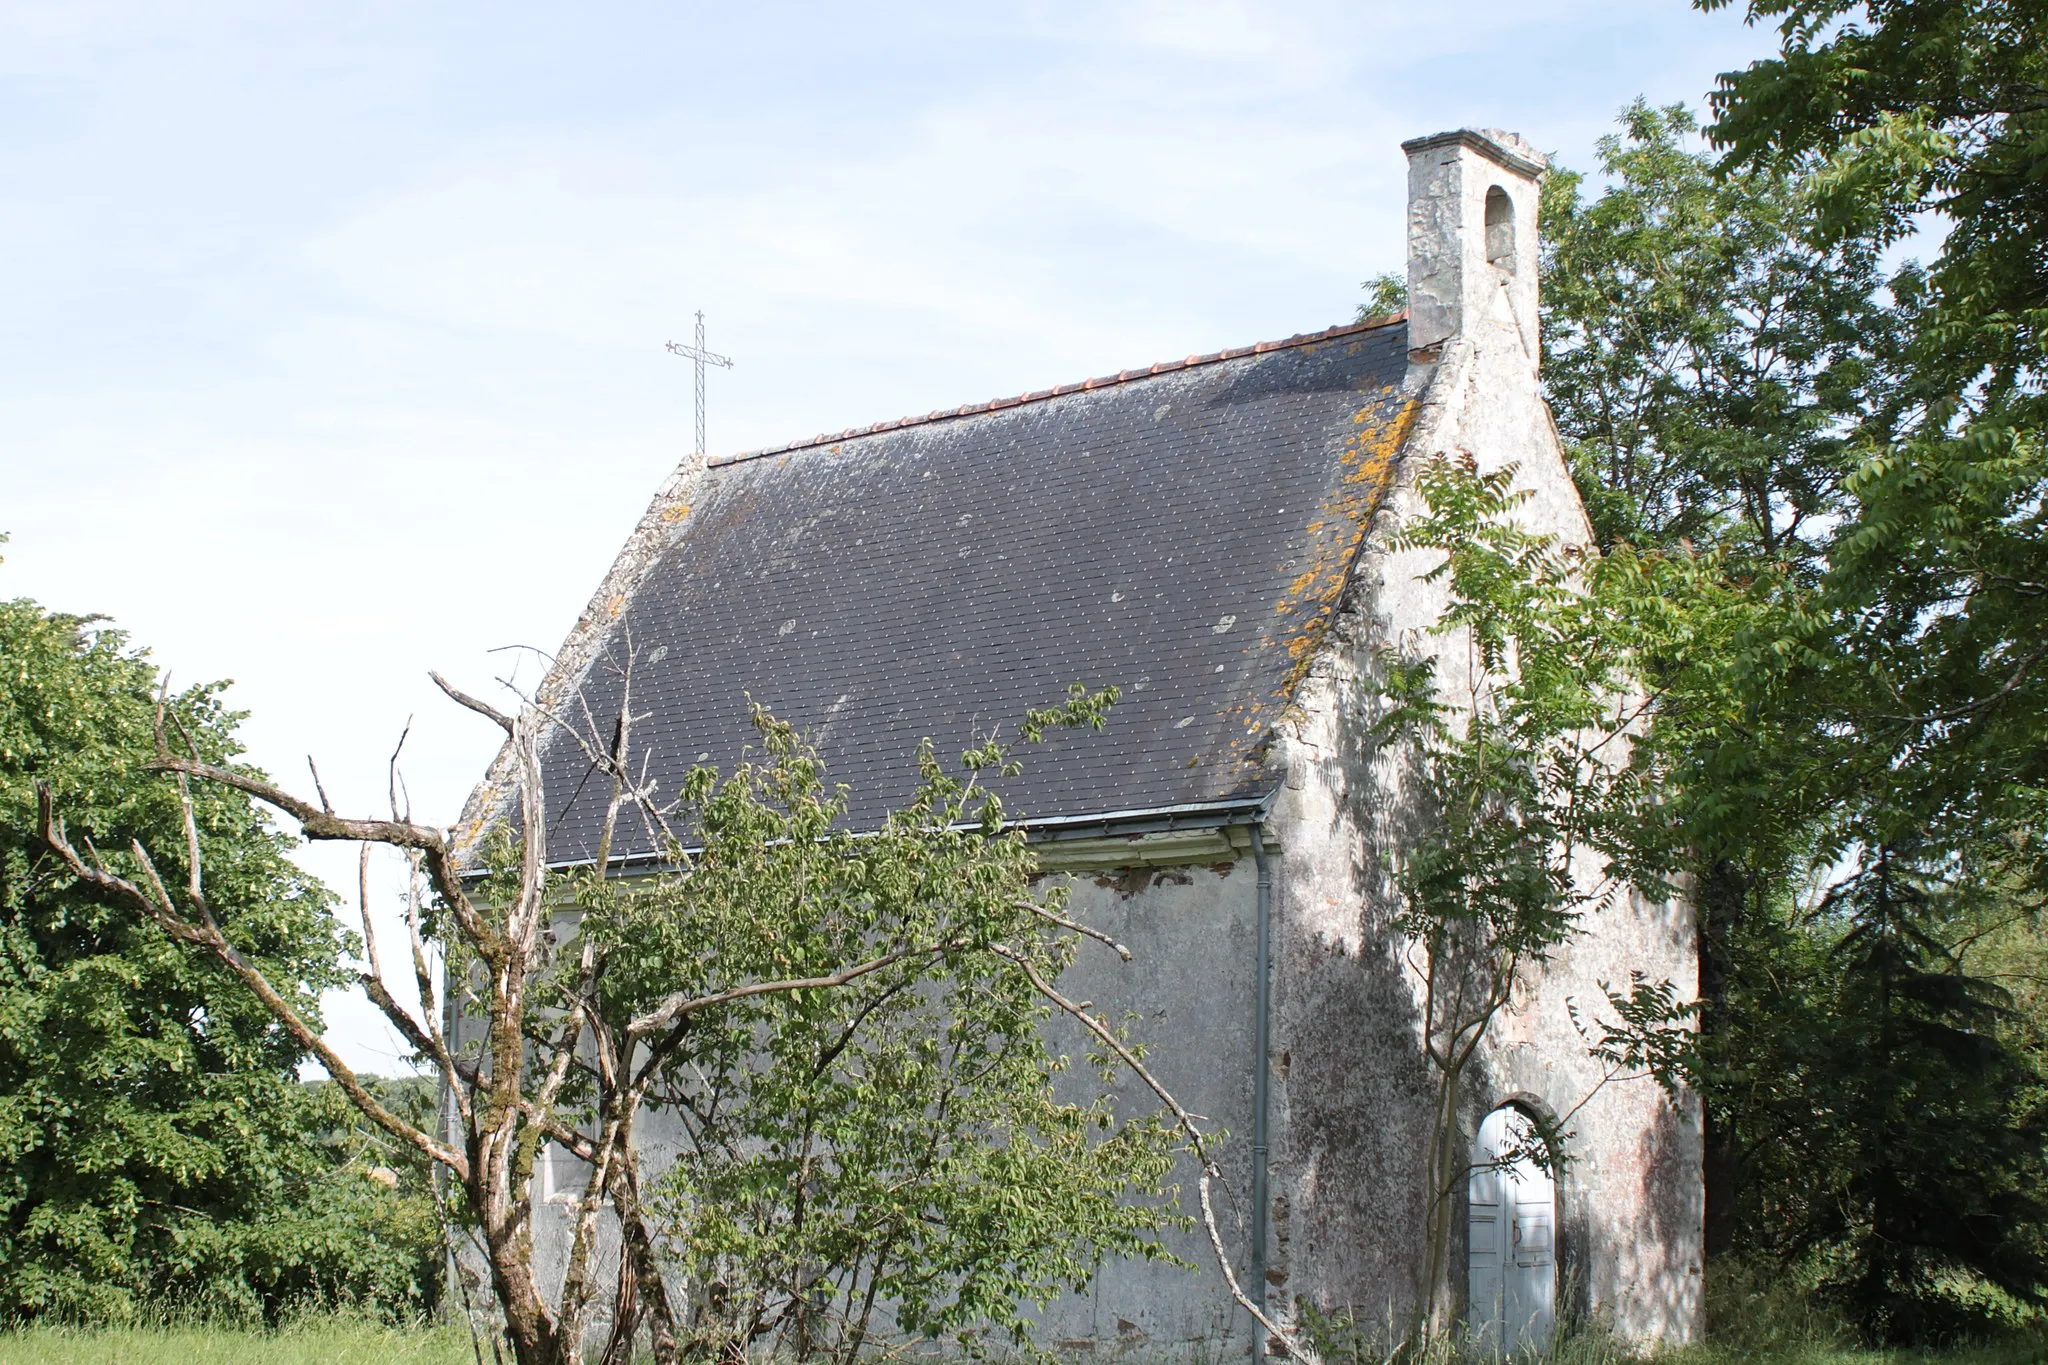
(1181, 532)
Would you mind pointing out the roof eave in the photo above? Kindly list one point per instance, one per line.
(1195, 815)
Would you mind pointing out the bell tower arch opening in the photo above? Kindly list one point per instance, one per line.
(1500, 229)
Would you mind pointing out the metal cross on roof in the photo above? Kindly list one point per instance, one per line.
(702, 358)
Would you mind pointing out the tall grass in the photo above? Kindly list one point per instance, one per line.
(1755, 1316)
(312, 1341)
(1765, 1315)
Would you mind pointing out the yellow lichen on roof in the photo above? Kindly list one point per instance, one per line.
(1335, 531)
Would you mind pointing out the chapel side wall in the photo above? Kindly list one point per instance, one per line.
(1191, 986)
(1352, 1093)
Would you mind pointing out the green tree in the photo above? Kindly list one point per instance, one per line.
(1523, 751)
(1915, 1153)
(1708, 354)
(1703, 354)
(155, 1144)
(889, 1159)
(1900, 113)
(1930, 615)
(1838, 522)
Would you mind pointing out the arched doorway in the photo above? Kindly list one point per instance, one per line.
(1512, 1306)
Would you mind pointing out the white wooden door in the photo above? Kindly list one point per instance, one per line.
(1512, 1280)
(1488, 1245)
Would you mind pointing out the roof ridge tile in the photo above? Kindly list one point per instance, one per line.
(1061, 390)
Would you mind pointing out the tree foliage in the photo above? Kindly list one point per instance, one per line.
(891, 1158)
(1516, 727)
(1707, 351)
(1832, 480)
(849, 1024)
(1930, 616)
(1916, 1149)
(156, 1148)
(1897, 113)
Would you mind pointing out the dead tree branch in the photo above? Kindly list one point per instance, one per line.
(156, 904)
(481, 707)
(315, 823)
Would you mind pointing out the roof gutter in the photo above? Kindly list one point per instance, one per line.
(1248, 810)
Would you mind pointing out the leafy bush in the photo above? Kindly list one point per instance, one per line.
(888, 1158)
(156, 1145)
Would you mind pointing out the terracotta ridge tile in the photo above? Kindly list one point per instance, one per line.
(1061, 390)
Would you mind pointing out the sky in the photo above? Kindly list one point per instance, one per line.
(331, 334)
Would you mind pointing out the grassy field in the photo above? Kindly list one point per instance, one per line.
(360, 1345)
(2014, 1354)
(313, 1343)
(356, 1343)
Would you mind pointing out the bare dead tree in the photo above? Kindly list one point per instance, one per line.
(495, 1100)
(505, 1109)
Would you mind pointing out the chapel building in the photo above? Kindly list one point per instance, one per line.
(1213, 536)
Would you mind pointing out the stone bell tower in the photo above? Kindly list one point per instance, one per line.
(1472, 198)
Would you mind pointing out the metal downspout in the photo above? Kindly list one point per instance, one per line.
(1262, 1047)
